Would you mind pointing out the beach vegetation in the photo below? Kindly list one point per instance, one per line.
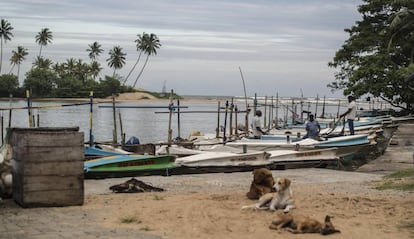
(400, 180)
(8, 85)
(130, 219)
(72, 78)
(378, 56)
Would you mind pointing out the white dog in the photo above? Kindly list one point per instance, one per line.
(281, 199)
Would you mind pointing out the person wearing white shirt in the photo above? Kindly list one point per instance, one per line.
(257, 130)
(351, 114)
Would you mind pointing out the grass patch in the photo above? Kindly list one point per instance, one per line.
(401, 174)
(157, 197)
(130, 219)
(409, 226)
(400, 180)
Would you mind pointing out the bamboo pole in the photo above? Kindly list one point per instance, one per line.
(121, 129)
(90, 118)
(265, 113)
(231, 118)
(316, 106)
(246, 118)
(218, 120)
(29, 112)
(178, 119)
(2, 130)
(10, 110)
(236, 130)
(171, 107)
(115, 132)
(225, 122)
(277, 109)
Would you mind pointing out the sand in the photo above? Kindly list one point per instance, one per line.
(209, 206)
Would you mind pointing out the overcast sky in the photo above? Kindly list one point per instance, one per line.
(282, 46)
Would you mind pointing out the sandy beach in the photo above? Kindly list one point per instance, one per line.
(209, 206)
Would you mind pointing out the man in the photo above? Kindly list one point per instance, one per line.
(257, 130)
(350, 113)
(312, 128)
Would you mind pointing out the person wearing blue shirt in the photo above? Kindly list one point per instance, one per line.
(312, 128)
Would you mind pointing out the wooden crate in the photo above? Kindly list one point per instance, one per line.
(47, 166)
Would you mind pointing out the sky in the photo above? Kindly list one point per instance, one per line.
(280, 47)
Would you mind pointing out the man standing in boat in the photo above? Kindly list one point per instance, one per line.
(350, 113)
(312, 128)
(257, 129)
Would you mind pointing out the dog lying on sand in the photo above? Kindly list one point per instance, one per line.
(281, 199)
(262, 183)
(303, 224)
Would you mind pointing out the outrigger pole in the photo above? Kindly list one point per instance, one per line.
(246, 119)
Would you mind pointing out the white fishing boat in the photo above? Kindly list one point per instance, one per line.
(224, 159)
(346, 145)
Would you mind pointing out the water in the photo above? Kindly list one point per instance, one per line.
(148, 124)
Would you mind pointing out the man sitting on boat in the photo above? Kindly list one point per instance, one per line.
(312, 128)
(257, 130)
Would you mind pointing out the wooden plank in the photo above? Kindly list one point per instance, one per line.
(48, 153)
(47, 183)
(52, 198)
(54, 168)
(48, 138)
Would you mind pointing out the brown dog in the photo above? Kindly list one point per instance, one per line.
(262, 183)
(303, 224)
(281, 199)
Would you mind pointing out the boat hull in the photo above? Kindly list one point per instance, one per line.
(129, 165)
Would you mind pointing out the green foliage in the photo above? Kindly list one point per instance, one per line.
(8, 85)
(40, 82)
(375, 59)
(109, 86)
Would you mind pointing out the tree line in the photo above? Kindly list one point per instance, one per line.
(378, 57)
(74, 77)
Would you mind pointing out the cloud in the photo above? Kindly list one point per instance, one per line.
(201, 39)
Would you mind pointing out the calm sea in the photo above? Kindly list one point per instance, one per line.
(150, 125)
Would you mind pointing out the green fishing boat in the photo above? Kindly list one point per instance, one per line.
(129, 165)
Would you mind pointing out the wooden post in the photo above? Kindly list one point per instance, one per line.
(265, 113)
(121, 129)
(218, 120)
(29, 112)
(339, 105)
(225, 122)
(316, 106)
(323, 108)
(178, 119)
(2, 128)
(115, 132)
(277, 110)
(231, 118)
(171, 108)
(90, 118)
(246, 119)
(236, 130)
(10, 110)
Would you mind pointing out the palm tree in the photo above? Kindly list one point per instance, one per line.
(42, 63)
(43, 38)
(17, 58)
(95, 68)
(94, 51)
(116, 58)
(5, 35)
(140, 48)
(150, 44)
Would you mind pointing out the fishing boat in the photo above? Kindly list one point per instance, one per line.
(282, 159)
(129, 165)
(346, 145)
(92, 152)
